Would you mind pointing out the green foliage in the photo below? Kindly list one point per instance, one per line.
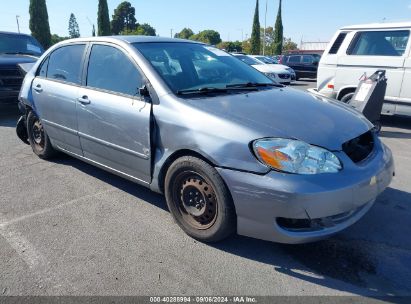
(185, 33)
(289, 45)
(142, 30)
(255, 34)
(74, 30)
(231, 46)
(208, 36)
(39, 22)
(269, 39)
(124, 19)
(278, 33)
(103, 19)
(56, 39)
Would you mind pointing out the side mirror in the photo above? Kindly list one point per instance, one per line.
(144, 91)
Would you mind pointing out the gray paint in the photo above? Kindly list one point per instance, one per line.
(113, 132)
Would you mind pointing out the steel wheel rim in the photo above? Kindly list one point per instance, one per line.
(195, 199)
(38, 134)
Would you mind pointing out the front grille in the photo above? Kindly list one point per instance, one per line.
(10, 78)
(360, 147)
(284, 76)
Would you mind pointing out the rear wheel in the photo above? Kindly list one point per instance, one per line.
(38, 138)
(199, 200)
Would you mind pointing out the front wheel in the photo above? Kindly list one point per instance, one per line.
(347, 97)
(199, 200)
(38, 138)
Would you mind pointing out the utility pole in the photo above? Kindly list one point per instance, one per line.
(265, 26)
(242, 34)
(18, 25)
(171, 33)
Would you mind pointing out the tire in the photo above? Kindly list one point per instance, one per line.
(347, 97)
(199, 200)
(38, 138)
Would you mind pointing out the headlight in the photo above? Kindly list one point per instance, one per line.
(271, 75)
(290, 70)
(294, 156)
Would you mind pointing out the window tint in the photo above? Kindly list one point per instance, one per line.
(294, 59)
(380, 43)
(110, 69)
(65, 63)
(308, 59)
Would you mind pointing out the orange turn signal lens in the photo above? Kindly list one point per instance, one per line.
(272, 158)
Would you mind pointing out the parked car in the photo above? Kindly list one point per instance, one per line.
(360, 50)
(231, 151)
(15, 49)
(276, 72)
(304, 65)
(271, 61)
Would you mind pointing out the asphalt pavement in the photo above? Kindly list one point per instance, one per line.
(67, 228)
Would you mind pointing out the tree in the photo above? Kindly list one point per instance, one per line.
(142, 29)
(185, 33)
(39, 22)
(289, 45)
(269, 39)
(74, 30)
(124, 19)
(255, 34)
(278, 33)
(230, 46)
(207, 36)
(56, 39)
(103, 19)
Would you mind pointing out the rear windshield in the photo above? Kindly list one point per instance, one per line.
(19, 44)
(186, 66)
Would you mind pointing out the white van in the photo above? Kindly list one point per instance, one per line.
(361, 50)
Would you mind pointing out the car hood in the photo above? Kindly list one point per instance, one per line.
(8, 59)
(271, 68)
(288, 113)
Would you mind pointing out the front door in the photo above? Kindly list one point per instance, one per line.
(113, 119)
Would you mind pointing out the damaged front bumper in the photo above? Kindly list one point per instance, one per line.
(290, 208)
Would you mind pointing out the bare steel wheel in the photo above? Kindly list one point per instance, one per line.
(198, 203)
(199, 200)
(37, 137)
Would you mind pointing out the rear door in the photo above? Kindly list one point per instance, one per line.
(55, 91)
(405, 96)
(372, 50)
(113, 119)
(310, 69)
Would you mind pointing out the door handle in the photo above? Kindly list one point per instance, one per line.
(38, 88)
(84, 100)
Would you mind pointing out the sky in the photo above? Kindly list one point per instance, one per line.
(315, 20)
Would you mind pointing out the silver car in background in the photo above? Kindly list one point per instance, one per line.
(231, 150)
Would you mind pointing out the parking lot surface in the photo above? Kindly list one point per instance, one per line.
(67, 228)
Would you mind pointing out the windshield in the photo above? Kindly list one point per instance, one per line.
(248, 60)
(190, 66)
(266, 60)
(19, 44)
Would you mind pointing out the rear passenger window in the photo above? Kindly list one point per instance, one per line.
(65, 63)
(307, 59)
(380, 43)
(110, 69)
(294, 59)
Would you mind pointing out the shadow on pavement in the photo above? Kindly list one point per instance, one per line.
(344, 257)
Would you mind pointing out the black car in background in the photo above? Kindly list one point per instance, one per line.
(15, 49)
(304, 65)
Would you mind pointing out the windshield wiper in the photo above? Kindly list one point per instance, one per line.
(204, 90)
(254, 85)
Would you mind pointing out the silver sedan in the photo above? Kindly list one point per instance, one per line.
(231, 150)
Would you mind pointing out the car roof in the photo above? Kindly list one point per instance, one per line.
(14, 33)
(398, 25)
(132, 39)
